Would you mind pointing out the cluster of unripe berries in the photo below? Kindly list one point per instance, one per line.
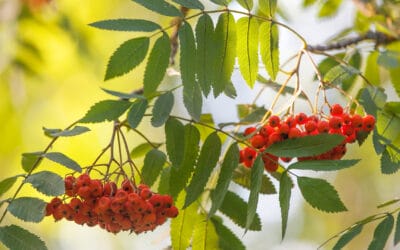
(276, 130)
(128, 208)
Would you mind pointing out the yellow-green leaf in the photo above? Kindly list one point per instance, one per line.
(269, 48)
(247, 48)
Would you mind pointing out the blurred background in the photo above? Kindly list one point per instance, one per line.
(52, 66)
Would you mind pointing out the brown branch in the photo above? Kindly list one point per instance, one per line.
(378, 37)
(177, 23)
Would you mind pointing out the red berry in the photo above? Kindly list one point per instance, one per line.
(310, 126)
(172, 212)
(257, 141)
(368, 123)
(284, 129)
(336, 110)
(127, 186)
(274, 121)
(274, 137)
(323, 126)
(291, 122)
(301, 118)
(266, 130)
(335, 122)
(249, 130)
(294, 133)
(356, 121)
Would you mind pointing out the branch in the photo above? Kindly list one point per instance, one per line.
(378, 37)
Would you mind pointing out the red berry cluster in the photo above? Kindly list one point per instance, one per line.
(89, 201)
(276, 130)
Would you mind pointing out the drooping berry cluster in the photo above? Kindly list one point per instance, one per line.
(276, 130)
(128, 208)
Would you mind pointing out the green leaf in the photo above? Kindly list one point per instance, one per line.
(327, 64)
(388, 59)
(28, 209)
(225, 52)
(17, 238)
(207, 161)
(340, 73)
(227, 239)
(174, 133)
(395, 79)
(160, 7)
(124, 96)
(50, 131)
(64, 160)
(371, 71)
(323, 165)
(329, 8)
(126, 25)
(204, 235)
(255, 116)
(163, 187)
(267, 7)
(182, 226)
(242, 177)
(247, 4)
(191, 89)
(136, 112)
(190, 4)
(247, 48)
(372, 99)
(77, 130)
(305, 146)
(381, 233)
(347, 237)
(397, 230)
(285, 191)
(221, 2)
(236, 209)
(269, 48)
(229, 164)
(255, 186)
(355, 62)
(48, 183)
(157, 65)
(390, 161)
(320, 194)
(7, 183)
(143, 148)
(181, 174)
(162, 109)
(307, 3)
(127, 56)
(205, 54)
(106, 110)
(153, 165)
(29, 160)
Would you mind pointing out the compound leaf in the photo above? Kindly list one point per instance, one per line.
(160, 7)
(247, 48)
(207, 161)
(106, 110)
(7, 183)
(255, 186)
(225, 52)
(381, 233)
(46, 182)
(126, 25)
(162, 109)
(269, 48)
(347, 237)
(157, 64)
(229, 164)
(320, 194)
(305, 146)
(28, 209)
(236, 209)
(227, 239)
(136, 112)
(152, 167)
(64, 160)
(192, 97)
(127, 56)
(17, 238)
